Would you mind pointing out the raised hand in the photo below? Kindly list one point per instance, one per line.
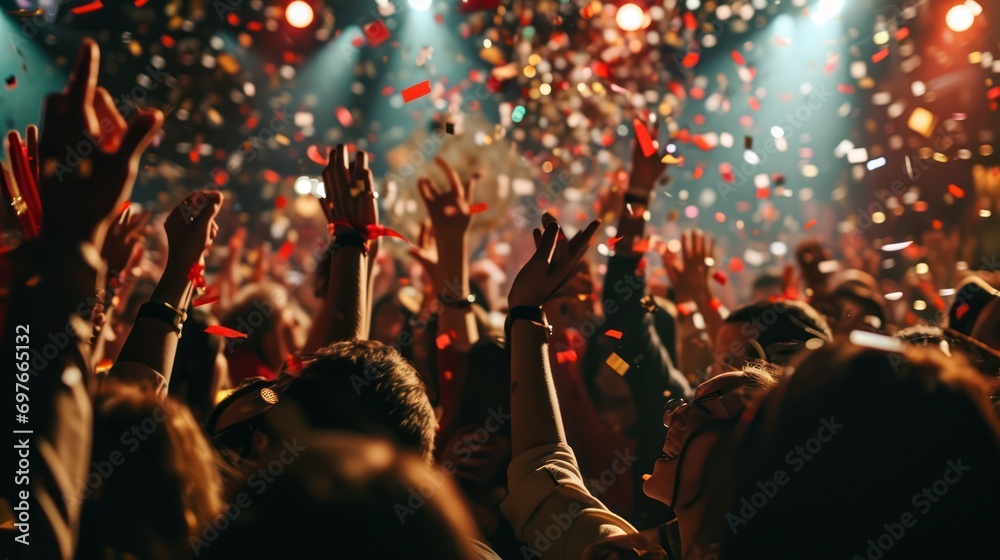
(645, 170)
(349, 204)
(88, 155)
(124, 240)
(426, 251)
(191, 228)
(552, 265)
(688, 271)
(450, 210)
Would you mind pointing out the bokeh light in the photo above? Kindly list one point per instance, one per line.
(630, 17)
(299, 14)
(959, 18)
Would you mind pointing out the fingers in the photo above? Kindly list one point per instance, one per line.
(537, 235)
(452, 175)
(470, 188)
(32, 135)
(83, 81)
(111, 124)
(581, 241)
(547, 243)
(141, 130)
(426, 189)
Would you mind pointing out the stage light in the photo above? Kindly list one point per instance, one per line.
(299, 14)
(420, 5)
(303, 186)
(826, 10)
(630, 17)
(959, 18)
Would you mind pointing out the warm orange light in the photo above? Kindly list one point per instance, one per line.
(959, 18)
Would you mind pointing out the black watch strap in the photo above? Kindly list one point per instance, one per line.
(164, 312)
(528, 313)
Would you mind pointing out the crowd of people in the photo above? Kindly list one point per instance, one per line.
(380, 410)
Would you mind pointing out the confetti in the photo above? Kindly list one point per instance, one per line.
(11, 82)
(720, 277)
(225, 332)
(376, 32)
(643, 137)
(613, 242)
(416, 91)
(88, 8)
(205, 300)
(566, 357)
(956, 191)
(618, 364)
(810, 224)
(477, 208)
(613, 334)
(196, 276)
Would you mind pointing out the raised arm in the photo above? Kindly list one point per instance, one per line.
(350, 209)
(450, 211)
(147, 356)
(62, 271)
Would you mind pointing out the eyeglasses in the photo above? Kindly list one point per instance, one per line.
(715, 406)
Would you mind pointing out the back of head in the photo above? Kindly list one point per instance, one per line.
(857, 446)
(365, 386)
(153, 481)
(772, 331)
(347, 495)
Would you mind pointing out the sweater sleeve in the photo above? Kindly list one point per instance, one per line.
(550, 508)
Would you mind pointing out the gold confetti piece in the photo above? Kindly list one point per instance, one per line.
(922, 122)
(670, 159)
(616, 363)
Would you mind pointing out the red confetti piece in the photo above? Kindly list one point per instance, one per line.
(810, 224)
(254, 26)
(601, 70)
(640, 246)
(613, 334)
(845, 88)
(416, 91)
(280, 202)
(738, 58)
(684, 309)
(87, 8)
(956, 191)
(225, 331)
(962, 310)
(195, 275)
(902, 33)
(937, 224)
(286, 250)
(614, 242)
(993, 94)
(690, 60)
(720, 277)
(344, 117)
(140, 3)
(382, 231)
(690, 21)
(169, 41)
(754, 103)
(703, 144)
(376, 32)
(880, 55)
(316, 155)
(477, 208)
(736, 264)
(645, 140)
(442, 341)
(715, 304)
(205, 300)
(232, 18)
(698, 172)
(566, 357)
